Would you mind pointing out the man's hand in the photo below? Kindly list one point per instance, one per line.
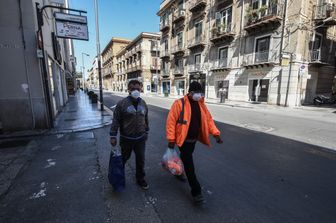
(218, 139)
(171, 145)
(113, 141)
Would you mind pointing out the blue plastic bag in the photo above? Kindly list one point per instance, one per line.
(116, 174)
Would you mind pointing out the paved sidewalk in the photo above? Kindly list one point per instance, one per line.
(18, 149)
(80, 114)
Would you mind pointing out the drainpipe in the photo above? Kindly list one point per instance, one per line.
(26, 67)
(240, 32)
(281, 51)
(208, 48)
(289, 76)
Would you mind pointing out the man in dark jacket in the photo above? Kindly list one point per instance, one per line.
(130, 117)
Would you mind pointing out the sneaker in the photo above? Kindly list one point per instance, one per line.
(199, 199)
(181, 177)
(143, 184)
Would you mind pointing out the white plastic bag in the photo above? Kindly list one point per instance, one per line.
(172, 162)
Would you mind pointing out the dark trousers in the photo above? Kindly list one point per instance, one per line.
(186, 152)
(139, 150)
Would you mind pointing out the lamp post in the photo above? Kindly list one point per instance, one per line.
(83, 74)
(98, 56)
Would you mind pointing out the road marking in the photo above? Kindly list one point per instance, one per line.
(41, 193)
(51, 162)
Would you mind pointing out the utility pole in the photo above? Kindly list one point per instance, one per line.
(98, 57)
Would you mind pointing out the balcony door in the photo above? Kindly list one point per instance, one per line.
(317, 44)
(257, 4)
(224, 19)
(198, 31)
(180, 40)
(222, 57)
(262, 49)
(197, 62)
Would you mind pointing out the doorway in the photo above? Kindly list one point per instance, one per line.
(263, 85)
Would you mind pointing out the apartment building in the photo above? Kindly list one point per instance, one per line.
(254, 50)
(139, 60)
(109, 61)
(34, 83)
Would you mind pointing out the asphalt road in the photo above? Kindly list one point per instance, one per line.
(252, 177)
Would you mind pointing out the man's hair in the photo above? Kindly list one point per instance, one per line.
(133, 82)
(195, 86)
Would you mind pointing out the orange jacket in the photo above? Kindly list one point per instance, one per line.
(177, 132)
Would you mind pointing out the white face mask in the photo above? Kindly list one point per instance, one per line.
(196, 96)
(135, 94)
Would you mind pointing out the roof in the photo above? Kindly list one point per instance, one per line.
(115, 40)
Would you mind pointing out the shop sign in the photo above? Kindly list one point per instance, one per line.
(72, 30)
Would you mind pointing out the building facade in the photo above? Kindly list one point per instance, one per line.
(109, 61)
(253, 50)
(32, 90)
(139, 60)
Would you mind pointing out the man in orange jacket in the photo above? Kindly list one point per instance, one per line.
(189, 121)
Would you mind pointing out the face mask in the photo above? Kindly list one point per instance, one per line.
(135, 94)
(196, 96)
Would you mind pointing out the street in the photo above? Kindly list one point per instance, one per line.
(254, 176)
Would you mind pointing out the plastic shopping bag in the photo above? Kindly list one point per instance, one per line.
(172, 162)
(116, 174)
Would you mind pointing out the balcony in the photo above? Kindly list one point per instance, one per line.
(265, 58)
(317, 57)
(164, 26)
(219, 64)
(178, 71)
(178, 49)
(155, 67)
(198, 41)
(155, 47)
(194, 68)
(165, 54)
(326, 14)
(266, 17)
(221, 33)
(197, 5)
(165, 73)
(179, 15)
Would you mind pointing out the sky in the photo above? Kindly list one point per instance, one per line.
(117, 18)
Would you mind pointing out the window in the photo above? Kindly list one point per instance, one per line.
(262, 49)
(180, 5)
(197, 58)
(180, 40)
(222, 57)
(164, 20)
(179, 63)
(224, 19)
(198, 31)
(318, 42)
(223, 53)
(166, 45)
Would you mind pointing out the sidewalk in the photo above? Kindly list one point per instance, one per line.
(80, 115)
(245, 104)
(18, 149)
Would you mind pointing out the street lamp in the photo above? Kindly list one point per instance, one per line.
(99, 57)
(83, 74)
